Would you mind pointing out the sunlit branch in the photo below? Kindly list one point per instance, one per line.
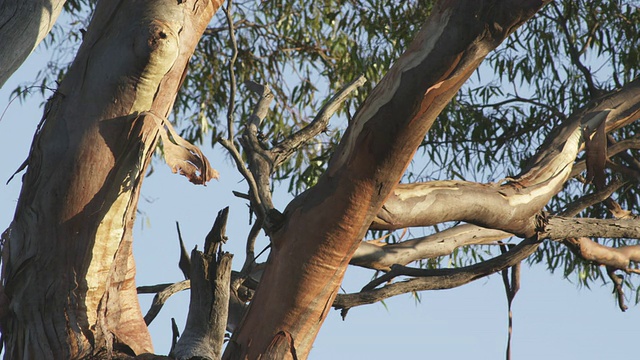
(382, 257)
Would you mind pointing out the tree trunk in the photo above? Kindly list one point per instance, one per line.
(23, 25)
(68, 269)
(324, 226)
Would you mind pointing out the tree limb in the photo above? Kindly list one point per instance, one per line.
(560, 228)
(288, 146)
(618, 258)
(382, 257)
(204, 331)
(434, 279)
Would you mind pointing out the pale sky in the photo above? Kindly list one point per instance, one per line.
(553, 319)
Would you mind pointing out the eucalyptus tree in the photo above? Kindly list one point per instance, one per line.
(546, 95)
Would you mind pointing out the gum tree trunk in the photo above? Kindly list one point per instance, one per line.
(68, 270)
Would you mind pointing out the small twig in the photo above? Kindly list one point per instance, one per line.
(185, 262)
(511, 287)
(232, 74)
(161, 297)
(241, 195)
(553, 109)
(288, 146)
(237, 158)
(617, 287)
(175, 334)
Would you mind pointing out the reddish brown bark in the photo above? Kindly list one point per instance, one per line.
(68, 268)
(324, 226)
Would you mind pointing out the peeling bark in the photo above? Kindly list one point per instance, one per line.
(382, 257)
(69, 269)
(304, 271)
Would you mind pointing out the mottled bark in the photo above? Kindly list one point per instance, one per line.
(68, 265)
(383, 256)
(560, 228)
(23, 25)
(511, 204)
(323, 227)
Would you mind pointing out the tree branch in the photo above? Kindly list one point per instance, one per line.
(434, 279)
(586, 201)
(204, 331)
(382, 257)
(560, 228)
(290, 145)
(574, 53)
(164, 292)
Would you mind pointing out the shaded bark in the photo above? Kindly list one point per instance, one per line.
(68, 267)
(437, 279)
(210, 275)
(203, 336)
(323, 227)
(23, 25)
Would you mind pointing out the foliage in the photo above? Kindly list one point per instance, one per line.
(570, 54)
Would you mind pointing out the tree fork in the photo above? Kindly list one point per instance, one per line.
(303, 272)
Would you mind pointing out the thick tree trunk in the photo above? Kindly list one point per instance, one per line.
(68, 269)
(23, 25)
(324, 226)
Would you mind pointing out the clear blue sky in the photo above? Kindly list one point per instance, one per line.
(552, 318)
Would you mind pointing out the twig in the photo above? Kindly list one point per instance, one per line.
(617, 287)
(232, 74)
(288, 146)
(161, 297)
(184, 263)
(511, 287)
